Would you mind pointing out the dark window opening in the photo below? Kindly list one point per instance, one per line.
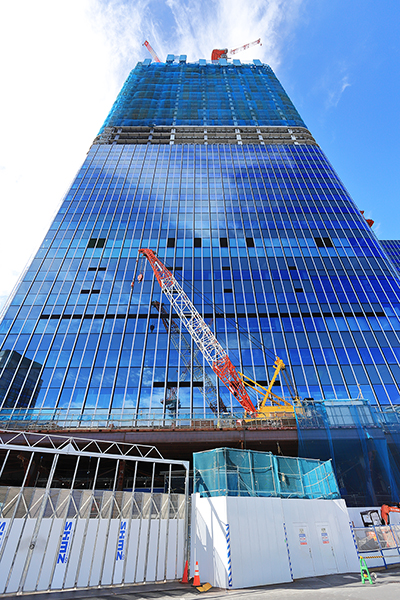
(85, 291)
(171, 243)
(228, 290)
(298, 290)
(292, 268)
(323, 242)
(96, 243)
(250, 242)
(223, 242)
(197, 242)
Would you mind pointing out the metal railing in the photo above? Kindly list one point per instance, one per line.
(377, 543)
(57, 419)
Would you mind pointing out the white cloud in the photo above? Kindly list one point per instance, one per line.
(335, 92)
(63, 64)
(202, 26)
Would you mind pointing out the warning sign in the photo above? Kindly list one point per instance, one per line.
(324, 535)
(302, 537)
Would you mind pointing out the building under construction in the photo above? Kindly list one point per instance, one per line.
(209, 282)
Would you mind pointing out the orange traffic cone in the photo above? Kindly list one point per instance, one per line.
(196, 580)
(185, 573)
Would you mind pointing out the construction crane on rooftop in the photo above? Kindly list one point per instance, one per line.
(150, 49)
(223, 53)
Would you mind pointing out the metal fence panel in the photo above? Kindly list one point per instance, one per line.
(54, 538)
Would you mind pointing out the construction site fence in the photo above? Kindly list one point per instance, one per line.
(50, 419)
(229, 472)
(379, 546)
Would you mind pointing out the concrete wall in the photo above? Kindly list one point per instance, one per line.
(272, 540)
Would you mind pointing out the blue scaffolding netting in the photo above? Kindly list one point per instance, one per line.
(363, 442)
(229, 472)
(197, 94)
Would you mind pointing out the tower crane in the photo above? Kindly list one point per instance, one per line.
(199, 374)
(150, 49)
(200, 332)
(223, 53)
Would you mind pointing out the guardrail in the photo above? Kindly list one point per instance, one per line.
(55, 420)
(378, 543)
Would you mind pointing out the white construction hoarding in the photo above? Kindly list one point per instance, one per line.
(243, 542)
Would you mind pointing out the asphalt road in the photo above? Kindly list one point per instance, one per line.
(329, 587)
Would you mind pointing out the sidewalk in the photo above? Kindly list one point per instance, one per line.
(329, 587)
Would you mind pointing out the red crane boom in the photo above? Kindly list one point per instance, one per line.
(150, 49)
(201, 334)
(217, 54)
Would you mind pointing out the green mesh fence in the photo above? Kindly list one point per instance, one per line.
(229, 472)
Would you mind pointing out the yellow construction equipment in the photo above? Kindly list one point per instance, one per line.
(271, 405)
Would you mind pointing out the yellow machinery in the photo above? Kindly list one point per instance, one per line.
(272, 406)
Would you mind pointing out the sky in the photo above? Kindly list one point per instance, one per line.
(63, 63)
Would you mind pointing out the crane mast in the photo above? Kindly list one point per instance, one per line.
(201, 334)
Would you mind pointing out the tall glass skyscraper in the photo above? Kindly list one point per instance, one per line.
(211, 166)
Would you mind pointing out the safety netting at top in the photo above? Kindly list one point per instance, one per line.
(229, 472)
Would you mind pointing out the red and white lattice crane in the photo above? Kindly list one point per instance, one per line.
(150, 49)
(200, 332)
(223, 53)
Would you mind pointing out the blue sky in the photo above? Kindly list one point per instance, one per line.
(65, 63)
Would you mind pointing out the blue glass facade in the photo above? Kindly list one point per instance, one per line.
(265, 231)
(392, 248)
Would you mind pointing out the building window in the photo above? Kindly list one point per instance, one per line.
(171, 243)
(96, 243)
(197, 242)
(323, 242)
(223, 242)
